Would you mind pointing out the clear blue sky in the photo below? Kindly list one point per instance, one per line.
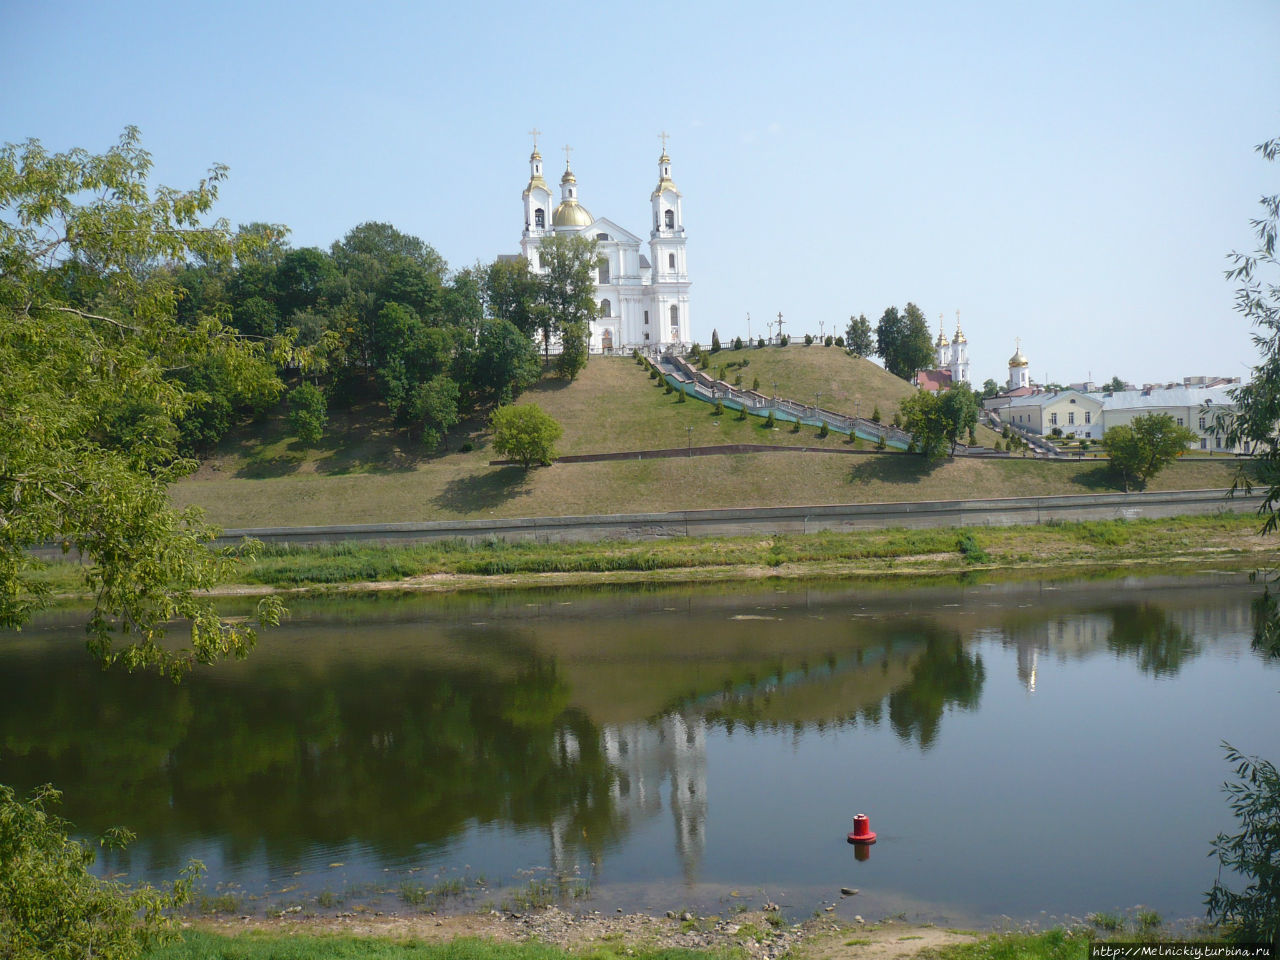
(1071, 173)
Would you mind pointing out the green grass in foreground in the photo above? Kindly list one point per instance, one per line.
(1052, 945)
(877, 550)
(198, 945)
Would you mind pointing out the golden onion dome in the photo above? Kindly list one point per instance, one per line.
(942, 340)
(960, 336)
(568, 177)
(570, 213)
(1018, 360)
(536, 183)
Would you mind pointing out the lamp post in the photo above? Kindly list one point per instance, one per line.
(690, 430)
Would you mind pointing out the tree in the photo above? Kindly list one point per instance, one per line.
(433, 406)
(511, 293)
(307, 413)
(960, 410)
(525, 433)
(1140, 450)
(903, 341)
(1116, 385)
(1252, 915)
(1253, 425)
(94, 372)
(715, 341)
(858, 336)
(989, 388)
(568, 289)
(924, 418)
(502, 362)
(573, 349)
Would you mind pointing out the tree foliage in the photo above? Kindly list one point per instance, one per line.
(91, 349)
(308, 413)
(51, 904)
(960, 411)
(568, 303)
(1254, 424)
(1251, 914)
(526, 433)
(1140, 450)
(923, 417)
(903, 341)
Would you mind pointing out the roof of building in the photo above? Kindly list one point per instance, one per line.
(570, 213)
(1171, 397)
(1046, 397)
(933, 379)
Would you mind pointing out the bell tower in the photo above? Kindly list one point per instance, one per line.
(667, 248)
(537, 205)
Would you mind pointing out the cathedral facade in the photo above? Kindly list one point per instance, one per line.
(642, 301)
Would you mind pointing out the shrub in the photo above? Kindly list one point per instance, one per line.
(770, 421)
(737, 381)
(742, 414)
(755, 384)
(737, 343)
(653, 374)
(829, 341)
(839, 341)
(971, 550)
(875, 415)
(997, 446)
(715, 342)
(525, 433)
(808, 339)
(669, 388)
(760, 342)
(466, 447)
(824, 431)
(681, 398)
(718, 409)
(882, 443)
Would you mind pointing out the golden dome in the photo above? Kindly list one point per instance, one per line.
(571, 213)
(942, 340)
(568, 177)
(1018, 360)
(960, 336)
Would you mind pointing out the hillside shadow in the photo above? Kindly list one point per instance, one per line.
(895, 468)
(1099, 479)
(484, 491)
(266, 468)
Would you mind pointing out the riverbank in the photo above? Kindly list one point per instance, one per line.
(453, 566)
(554, 934)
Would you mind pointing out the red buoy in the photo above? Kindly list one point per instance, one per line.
(862, 830)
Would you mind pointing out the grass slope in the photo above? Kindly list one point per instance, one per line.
(365, 472)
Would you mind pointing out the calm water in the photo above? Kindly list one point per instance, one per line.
(1022, 750)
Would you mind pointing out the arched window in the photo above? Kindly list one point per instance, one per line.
(606, 308)
(671, 260)
(604, 271)
(671, 219)
(539, 218)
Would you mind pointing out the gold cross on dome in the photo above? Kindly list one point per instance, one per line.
(567, 150)
(663, 137)
(535, 133)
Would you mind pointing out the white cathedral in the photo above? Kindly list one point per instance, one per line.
(643, 302)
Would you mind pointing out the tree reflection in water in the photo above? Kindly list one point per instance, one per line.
(1157, 644)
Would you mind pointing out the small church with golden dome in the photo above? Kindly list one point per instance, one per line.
(642, 301)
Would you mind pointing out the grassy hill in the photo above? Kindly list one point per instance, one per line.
(364, 471)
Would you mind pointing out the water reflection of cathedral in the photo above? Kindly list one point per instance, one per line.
(652, 760)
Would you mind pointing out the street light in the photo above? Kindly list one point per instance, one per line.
(690, 429)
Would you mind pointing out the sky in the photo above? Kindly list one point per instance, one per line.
(1069, 173)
